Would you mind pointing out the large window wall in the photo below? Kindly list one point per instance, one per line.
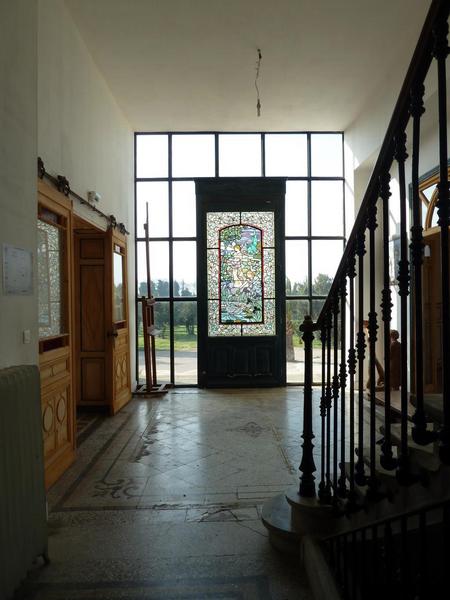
(166, 165)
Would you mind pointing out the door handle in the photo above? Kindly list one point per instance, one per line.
(112, 334)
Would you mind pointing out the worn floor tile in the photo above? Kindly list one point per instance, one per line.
(164, 501)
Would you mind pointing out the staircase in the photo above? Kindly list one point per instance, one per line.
(378, 521)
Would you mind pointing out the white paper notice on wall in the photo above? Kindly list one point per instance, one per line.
(17, 271)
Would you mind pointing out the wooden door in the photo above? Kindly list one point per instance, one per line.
(55, 275)
(91, 320)
(241, 313)
(118, 323)
(102, 340)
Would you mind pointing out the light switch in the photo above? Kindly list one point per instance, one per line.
(26, 336)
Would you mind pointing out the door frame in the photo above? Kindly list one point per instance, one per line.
(229, 194)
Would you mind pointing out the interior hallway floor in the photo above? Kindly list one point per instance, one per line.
(164, 501)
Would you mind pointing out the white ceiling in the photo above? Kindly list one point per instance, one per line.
(190, 64)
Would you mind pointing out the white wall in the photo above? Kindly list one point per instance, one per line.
(18, 135)
(82, 134)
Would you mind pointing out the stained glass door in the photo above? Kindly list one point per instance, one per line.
(240, 277)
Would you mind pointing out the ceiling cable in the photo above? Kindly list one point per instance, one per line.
(258, 66)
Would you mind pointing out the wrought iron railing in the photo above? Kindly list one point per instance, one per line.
(352, 453)
(408, 555)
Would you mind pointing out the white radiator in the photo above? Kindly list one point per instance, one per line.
(23, 526)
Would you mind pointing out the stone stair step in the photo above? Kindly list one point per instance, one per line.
(433, 405)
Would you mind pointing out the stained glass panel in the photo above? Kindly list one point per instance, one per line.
(241, 273)
(50, 275)
(269, 273)
(263, 220)
(216, 329)
(214, 223)
(241, 297)
(265, 328)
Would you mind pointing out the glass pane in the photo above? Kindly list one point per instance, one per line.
(152, 156)
(327, 208)
(326, 155)
(296, 208)
(297, 268)
(156, 193)
(295, 356)
(193, 156)
(317, 306)
(184, 269)
(119, 310)
(185, 342)
(50, 278)
(326, 256)
(287, 154)
(239, 155)
(162, 341)
(183, 209)
(159, 269)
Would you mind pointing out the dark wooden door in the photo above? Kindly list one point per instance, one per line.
(241, 312)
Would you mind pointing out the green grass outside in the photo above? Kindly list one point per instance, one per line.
(183, 340)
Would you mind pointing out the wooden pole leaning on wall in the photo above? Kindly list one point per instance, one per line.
(147, 303)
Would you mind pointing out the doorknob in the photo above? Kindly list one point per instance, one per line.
(112, 334)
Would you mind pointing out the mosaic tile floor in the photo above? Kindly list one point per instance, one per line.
(164, 501)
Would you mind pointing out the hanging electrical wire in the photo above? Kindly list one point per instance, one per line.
(258, 67)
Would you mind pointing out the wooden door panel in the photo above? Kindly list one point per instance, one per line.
(92, 293)
(92, 248)
(93, 379)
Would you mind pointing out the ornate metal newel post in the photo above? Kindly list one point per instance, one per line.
(307, 467)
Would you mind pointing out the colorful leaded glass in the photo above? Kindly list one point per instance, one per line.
(241, 273)
(241, 270)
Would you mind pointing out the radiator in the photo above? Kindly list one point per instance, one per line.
(23, 523)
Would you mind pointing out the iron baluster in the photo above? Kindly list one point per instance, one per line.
(335, 395)
(375, 551)
(388, 555)
(420, 433)
(328, 404)
(404, 565)
(403, 472)
(324, 489)
(440, 52)
(423, 563)
(360, 475)
(354, 566)
(342, 486)
(387, 459)
(445, 539)
(364, 565)
(351, 372)
(372, 329)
